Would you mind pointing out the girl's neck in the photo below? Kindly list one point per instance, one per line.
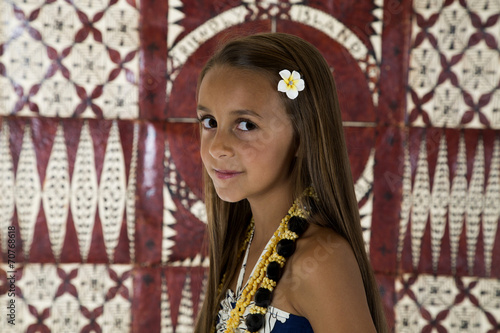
(267, 214)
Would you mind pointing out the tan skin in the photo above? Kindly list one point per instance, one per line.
(246, 130)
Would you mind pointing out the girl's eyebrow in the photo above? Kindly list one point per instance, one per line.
(203, 108)
(243, 112)
(246, 112)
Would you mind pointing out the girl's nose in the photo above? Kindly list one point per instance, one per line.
(221, 147)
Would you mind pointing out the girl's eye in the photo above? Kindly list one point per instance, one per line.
(245, 125)
(208, 122)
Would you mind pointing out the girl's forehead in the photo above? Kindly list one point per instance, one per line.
(236, 73)
(229, 84)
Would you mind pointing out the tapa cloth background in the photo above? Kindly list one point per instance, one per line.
(100, 173)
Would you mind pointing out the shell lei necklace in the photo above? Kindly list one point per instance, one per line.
(267, 273)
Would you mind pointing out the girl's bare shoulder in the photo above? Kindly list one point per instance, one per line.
(328, 285)
(321, 249)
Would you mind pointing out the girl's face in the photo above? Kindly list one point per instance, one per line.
(246, 135)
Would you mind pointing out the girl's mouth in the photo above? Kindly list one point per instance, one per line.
(226, 174)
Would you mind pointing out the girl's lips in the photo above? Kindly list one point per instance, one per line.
(226, 174)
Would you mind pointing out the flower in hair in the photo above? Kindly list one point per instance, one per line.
(291, 83)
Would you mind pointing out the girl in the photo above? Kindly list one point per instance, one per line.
(286, 247)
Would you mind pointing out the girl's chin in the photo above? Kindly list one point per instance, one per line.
(228, 197)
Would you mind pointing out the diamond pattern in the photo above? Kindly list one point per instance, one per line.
(101, 178)
(460, 208)
(56, 193)
(57, 23)
(84, 191)
(28, 191)
(77, 50)
(71, 298)
(112, 191)
(455, 85)
(442, 303)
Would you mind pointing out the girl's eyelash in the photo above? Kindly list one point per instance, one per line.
(251, 123)
(202, 119)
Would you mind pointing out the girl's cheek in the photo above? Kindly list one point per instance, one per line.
(203, 150)
(259, 139)
(248, 151)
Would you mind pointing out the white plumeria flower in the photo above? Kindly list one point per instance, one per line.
(291, 83)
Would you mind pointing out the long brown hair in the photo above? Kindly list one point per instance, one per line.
(321, 161)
